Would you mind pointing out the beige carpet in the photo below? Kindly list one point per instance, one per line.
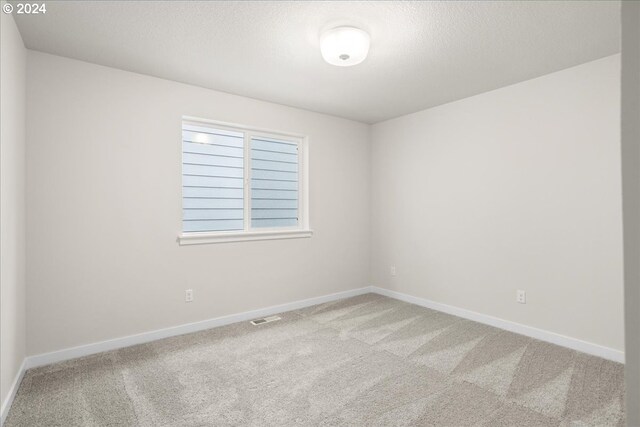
(363, 361)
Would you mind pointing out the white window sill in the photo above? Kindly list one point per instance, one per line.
(240, 236)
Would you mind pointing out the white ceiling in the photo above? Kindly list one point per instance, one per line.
(422, 53)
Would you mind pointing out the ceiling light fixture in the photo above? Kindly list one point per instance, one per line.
(344, 46)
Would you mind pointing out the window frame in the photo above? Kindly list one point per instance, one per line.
(248, 233)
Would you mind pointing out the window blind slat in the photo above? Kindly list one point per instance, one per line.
(274, 204)
(208, 160)
(202, 214)
(188, 169)
(274, 156)
(213, 203)
(274, 213)
(209, 138)
(282, 147)
(273, 185)
(215, 150)
(220, 193)
(274, 166)
(274, 194)
(280, 175)
(215, 182)
(285, 222)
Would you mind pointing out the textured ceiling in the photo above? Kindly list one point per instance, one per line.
(422, 53)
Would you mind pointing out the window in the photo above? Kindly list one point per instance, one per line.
(241, 183)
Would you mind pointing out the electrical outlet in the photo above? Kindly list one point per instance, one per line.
(392, 270)
(188, 295)
(521, 297)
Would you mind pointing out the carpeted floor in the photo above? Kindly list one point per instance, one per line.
(363, 361)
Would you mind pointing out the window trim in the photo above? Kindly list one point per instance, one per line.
(302, 230)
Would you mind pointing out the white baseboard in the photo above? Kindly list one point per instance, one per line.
(540, 334)
(8, 401)
(113, 344)
(88, 349)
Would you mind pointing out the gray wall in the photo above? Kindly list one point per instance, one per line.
(518, 188)
(631, 200)
(12, 205)
(104, 196)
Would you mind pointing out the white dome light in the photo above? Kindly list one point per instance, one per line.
(344, 46)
